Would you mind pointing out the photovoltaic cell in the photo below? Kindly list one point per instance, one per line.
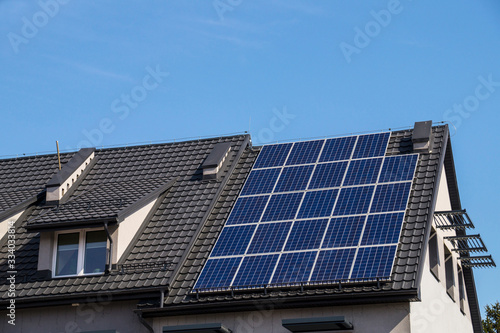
(344, 231)
(294, 178)
(282, 207)
(390, 197)
(272, 155)
(218, 273)
(382, 229)
(371, 145)
(256, 270)
(306, 235)
(328, 175)
(261, 181)
(337, 149)
(233, 241)
(362, 172)
(269, 237)
(247, 210)
(373, 261)
(294, 267)
(354, 200)
(333, 265)
(305, 152)
(317, 204)
(398, 168)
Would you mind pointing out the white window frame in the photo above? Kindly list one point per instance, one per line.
(81, 252)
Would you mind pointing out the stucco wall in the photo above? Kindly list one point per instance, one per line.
(365, 318)
(438, 312)
(98, 314)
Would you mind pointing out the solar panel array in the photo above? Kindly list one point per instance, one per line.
(312, 212)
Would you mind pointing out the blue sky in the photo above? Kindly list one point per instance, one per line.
(112, 73)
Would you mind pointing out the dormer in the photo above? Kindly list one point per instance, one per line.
(63, 180)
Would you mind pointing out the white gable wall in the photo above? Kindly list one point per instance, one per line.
(393, 318)
(437, 311)
(129, 227)
(4, 225)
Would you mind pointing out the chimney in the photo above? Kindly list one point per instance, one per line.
(214, 160)
(422, 137)
(64, 179)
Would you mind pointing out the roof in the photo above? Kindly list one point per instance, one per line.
(174, 243)
(119, 178)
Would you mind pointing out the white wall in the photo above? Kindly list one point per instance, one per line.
(129, 226)
(4, 225)
(365, 318)
(438, 312)
(99, 314)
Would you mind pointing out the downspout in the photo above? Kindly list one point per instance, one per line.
(144, 322)
(108, 265)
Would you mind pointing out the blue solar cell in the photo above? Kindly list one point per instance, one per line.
(390, 197)
(306, 235)
(269, 237)
(305, 152)
(398, 168)
(218, 273)
(363, 172)
(317, 204)
(374, 262)
(333, 265)
(294, 267)
(233, 241)
(328, 175)
(371, 145)
(344, 231)
(282, 207)
(256, 270)
(272, 155)
(337, 149)
(382, 229)
(354, 200)
(261, 181)
(247, 210)
(294, 178)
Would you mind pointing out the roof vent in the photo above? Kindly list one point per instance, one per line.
(214, 160)
(422, 137)
(64, 179)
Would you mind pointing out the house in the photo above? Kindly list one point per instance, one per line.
(364, 233)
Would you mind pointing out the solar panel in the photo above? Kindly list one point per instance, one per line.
(260, 181)
(363, 172)
(313, 211)
(234, 240)
(294, 267)
(328, 175)
(306, 235)
(294, 178)
(269, 237)
(255, 270)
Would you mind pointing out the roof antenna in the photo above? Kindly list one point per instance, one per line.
(58, 156)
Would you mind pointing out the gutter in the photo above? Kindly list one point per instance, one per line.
(287, 302)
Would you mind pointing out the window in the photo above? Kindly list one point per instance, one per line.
(450, 276)
(461, 288)
(80, 253)
(434, 254)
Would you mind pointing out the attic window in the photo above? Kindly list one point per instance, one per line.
(450, 276)
(80, 253)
